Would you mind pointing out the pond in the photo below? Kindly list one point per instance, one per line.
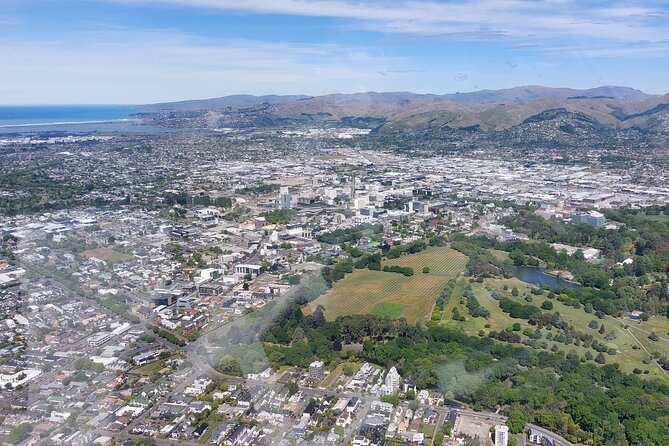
(538, 276)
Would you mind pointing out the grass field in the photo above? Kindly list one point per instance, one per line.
(661, 218)
(392, 294)
(152, 368)
(388, 309)
(106, 254)
(441, 261)
(627, 355)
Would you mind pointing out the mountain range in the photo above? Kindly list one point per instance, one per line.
(609, 111)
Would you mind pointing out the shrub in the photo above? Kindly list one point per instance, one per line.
(547, 305)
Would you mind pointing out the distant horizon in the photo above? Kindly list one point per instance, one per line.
(141, 104)
(153, 51)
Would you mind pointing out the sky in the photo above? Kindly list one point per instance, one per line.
(146, 51)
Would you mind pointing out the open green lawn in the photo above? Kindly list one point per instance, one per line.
(662, 217)
(392, 294)
(106, 254)
(500, 255)
(388, 309)
(627, 356)
(659, 325)
(454, 300)
(332, 376)
(151, 368)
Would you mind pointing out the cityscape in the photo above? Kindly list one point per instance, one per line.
(334, 222)
(125, 313)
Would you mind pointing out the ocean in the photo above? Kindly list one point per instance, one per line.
(61, 114)
(30, 119)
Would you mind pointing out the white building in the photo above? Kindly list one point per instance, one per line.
(285, 198)
(391, 384)
(100, 338)
(501, 435)
(244, 269)
(316, 371)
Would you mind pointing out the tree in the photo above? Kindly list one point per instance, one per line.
(19, 433)
(175, 249)
(516, 421)
(600, 359)
(292, 387)
(392, 399)
(426, 270)
(229, 365)
(348, 369)
(547, 305)
(514, 291)
(318, 316)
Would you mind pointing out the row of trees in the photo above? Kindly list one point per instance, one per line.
(473, 305)
(337, 272)
(406, 270)
(168, 335)
(410, 248)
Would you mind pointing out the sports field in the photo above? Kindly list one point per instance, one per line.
(106, 254)
(395, 295)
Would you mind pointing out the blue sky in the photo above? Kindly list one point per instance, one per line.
(142, 51)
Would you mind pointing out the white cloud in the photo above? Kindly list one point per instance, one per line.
(472, 19)
(124, 66)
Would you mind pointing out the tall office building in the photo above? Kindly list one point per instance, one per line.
(501, 435)
(392, 382)
(284, 198)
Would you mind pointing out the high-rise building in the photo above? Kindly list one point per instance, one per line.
(316, 372)
(591, 218)
(391, 384)
(501, 435)
(285, 198)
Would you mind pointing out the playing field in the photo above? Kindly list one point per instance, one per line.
(106, 254)
(391, 294)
